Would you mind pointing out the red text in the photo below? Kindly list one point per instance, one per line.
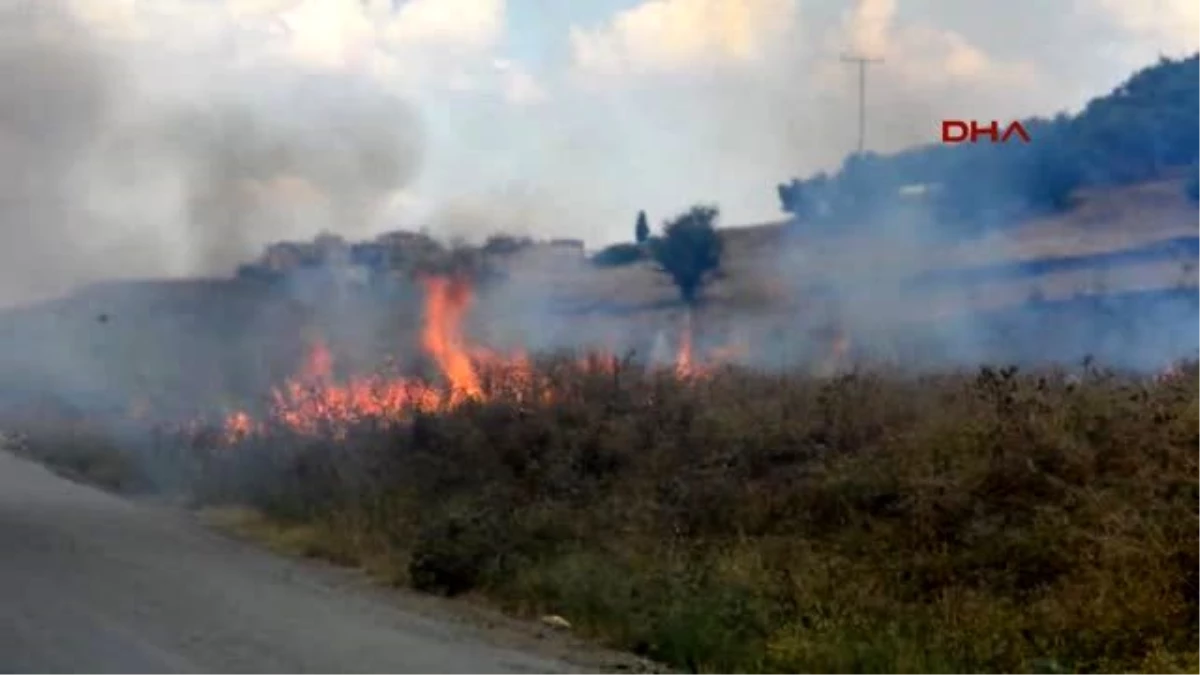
(959, 131)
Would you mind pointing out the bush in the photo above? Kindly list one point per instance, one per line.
(619, 255)
(452, 553)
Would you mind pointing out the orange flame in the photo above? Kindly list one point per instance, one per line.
(447, 301)
(684, 363)
(314, 401)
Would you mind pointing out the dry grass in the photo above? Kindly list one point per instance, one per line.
(876, 522)
(759, 257)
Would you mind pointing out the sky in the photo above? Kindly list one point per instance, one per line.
(564, 118)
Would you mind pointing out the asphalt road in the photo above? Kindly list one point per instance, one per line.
(90, 582)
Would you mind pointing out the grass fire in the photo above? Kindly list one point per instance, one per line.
(315, 400)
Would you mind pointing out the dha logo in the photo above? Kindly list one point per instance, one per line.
(961, 131)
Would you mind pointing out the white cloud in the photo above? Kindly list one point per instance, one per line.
(869, 25)
(417, 44)
(924, 55)
(1171, 26)
(520, 85)
(470, 24)
(670, 35)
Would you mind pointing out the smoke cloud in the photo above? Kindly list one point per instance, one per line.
(127, 162)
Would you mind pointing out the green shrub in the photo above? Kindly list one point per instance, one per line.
(619, 255)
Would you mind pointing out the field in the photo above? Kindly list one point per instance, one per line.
(874, 522)
(836, 511)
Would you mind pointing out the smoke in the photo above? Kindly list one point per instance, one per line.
(131, 162)
(135, 160)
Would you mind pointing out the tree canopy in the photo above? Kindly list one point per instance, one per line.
(689, 250)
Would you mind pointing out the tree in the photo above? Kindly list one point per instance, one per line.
(642, 231)
(690, 250)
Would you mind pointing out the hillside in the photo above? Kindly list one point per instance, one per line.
(1143, 130)
(1108, 266)
(189, 345)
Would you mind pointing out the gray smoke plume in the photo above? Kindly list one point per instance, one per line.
(111, 173)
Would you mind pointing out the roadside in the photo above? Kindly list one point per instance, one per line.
(467, 617)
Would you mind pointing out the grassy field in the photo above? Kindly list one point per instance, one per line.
(986, 521)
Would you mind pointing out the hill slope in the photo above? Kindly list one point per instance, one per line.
(1100, 211)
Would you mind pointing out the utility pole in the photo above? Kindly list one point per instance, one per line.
(862, 63)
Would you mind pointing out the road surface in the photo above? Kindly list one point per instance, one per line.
(90, 582)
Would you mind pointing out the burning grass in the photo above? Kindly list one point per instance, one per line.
(316, 401)
(725, 520)
(874, 522)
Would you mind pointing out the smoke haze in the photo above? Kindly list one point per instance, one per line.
(123, 163)
(133, 148)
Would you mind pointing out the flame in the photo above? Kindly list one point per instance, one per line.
(447, 302)
(684, 361)
(316, 401)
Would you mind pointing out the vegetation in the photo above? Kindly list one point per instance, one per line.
(1144, 128)
(619, 255)
(642, 230)
(878, 522)
(690, 250)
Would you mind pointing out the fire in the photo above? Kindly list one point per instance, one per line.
(684, 364)
(315, 400)
(447, 302)
(689, 365)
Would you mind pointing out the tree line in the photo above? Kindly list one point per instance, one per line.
(1144, 129)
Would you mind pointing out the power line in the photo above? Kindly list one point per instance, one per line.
(862, 63)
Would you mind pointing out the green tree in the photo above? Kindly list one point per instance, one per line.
(642, 231)
(690, 250)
